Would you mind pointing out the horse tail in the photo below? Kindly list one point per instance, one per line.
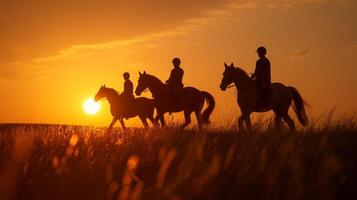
(299, 106)
(208, 111)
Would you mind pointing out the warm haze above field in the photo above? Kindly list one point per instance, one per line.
(56, 54)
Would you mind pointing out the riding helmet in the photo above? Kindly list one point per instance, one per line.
(262, 50)
(176, 60)
(126, 75)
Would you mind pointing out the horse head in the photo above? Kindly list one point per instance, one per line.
(231, 75)
(142, 83)
(104, 92)
(147, 81)
(228, 76)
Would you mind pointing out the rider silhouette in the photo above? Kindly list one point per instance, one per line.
(127, 94)
(128, 87)
(262, 75)
(174, 83)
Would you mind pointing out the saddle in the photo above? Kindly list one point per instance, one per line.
(175, 96)
(264, 94)
(127, 102)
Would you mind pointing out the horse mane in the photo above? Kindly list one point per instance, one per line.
(111, 90)
(154, 77)
(240, 70)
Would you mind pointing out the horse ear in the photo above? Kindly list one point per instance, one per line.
(144, 72)
(232, 65)
(104, 85)
(140, 73)
(225, 65)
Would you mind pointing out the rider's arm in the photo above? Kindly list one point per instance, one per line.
(257, 69)
(254, 75)
(170, 78)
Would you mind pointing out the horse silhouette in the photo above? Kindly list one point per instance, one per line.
(280, 100)
(192, 100)
(120, 108)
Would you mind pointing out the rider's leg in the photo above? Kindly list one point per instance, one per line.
(262, 95)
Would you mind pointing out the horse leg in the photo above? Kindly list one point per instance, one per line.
(244, 117)
(248, 123)
(143, 120)
(278, 118)
(289, 121)
(112, 123)
(199, 118)
(187, 119)
(153, 121)
(157, 118)
(121, 120)
(162, 119)
(240, 122)
(160, 116)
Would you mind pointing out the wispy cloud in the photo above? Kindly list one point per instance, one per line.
(247, 4)
(289, 3)
(186, 27)
(8, 71)
(301, 53)
(209, 18)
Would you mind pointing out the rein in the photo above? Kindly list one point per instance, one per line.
(232, 85)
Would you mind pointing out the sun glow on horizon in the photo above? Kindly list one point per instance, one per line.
(91, 107)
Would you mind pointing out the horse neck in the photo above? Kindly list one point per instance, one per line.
(156, 87)
(111, 96)
(241, 80)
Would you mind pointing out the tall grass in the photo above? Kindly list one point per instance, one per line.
(72, 162)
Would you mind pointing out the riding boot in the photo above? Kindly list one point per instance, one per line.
(263, 98)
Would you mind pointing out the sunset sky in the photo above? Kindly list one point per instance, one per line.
(56, 54)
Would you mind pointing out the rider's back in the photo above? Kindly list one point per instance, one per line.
(176, 77)
(262, 71)
(128, 88)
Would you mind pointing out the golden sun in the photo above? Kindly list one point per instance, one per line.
(90, 106)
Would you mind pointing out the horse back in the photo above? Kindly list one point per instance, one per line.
(144, 101)
(277, 85)
(191, 90)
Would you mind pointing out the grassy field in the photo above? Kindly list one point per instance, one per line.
(72, 162)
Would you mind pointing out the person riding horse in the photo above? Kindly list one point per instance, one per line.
(174, 83)
(262, 76)
(128, 93)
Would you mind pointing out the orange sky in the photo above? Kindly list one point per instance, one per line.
(55, 54)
